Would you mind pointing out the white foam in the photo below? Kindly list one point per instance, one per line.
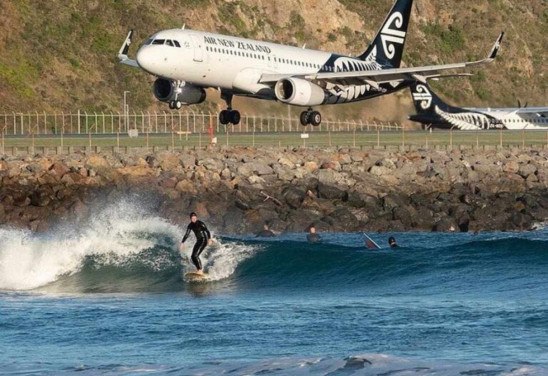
(540, 226)
(221, 260)
(218, 260)
(28, 260)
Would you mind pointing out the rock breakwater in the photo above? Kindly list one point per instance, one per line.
(237, 190)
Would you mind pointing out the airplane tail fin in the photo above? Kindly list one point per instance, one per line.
(387, 47)
(424, 99)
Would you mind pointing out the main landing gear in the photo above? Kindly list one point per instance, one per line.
(311, 117)
(229, 116)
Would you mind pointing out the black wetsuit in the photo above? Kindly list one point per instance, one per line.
(265, 234)
(313, 238)
(202, 236)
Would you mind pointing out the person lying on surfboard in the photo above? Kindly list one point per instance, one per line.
(203, 238)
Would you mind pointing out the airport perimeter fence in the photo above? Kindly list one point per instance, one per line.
(62, 133)
(187, 122)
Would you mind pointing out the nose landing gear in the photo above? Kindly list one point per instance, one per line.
(175, 105)
(311, 117)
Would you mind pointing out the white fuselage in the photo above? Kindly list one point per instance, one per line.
(214, 60)
(518, 118)
(237, 64)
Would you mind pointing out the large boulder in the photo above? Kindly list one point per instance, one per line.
(294, 196)
(96, 162)
(212, 164)
(394, 200)
(168, 161)
(445, 224)
(59, 169)
(234, 221)
(255, 167)
(331, 192)
(284, 173)
(42, 197)
(342, 219)
(527, 170)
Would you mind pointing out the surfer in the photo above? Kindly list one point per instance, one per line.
(392, 242)
(266, 232)
(203, 238)
(313, 236)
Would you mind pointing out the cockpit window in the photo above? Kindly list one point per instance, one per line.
(148, 42)
(176, 43)
(159, 41)
(169, 43)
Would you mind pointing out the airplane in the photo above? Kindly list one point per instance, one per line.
(186, 62)
(435, 113)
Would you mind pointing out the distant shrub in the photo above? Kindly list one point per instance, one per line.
(449, 40)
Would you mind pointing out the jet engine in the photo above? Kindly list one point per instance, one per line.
(299, 92)
(168, 91)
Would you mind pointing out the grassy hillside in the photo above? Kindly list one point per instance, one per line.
(61, 55)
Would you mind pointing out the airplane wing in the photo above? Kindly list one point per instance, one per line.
(394, 75)
(539, 111)
(122, 54)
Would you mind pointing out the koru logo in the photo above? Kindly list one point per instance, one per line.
(391, 34)
(424, 96)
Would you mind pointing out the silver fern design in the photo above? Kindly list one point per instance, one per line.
(466, 120)
(349, 93)
(348, 64)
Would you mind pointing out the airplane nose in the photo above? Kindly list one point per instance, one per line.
(145, 58)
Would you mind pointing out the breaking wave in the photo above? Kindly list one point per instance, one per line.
(121, 249)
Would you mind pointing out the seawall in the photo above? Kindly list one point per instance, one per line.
(237, 190)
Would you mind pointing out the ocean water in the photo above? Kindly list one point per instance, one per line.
(108, 297)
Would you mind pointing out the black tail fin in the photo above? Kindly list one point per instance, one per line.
(387, 47)
(425, 99)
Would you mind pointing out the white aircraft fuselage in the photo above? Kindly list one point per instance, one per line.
(214, 60)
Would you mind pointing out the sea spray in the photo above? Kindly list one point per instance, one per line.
(29, 260)
(221, 260)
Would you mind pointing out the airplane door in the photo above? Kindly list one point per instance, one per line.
(274, 61)
(198, 48)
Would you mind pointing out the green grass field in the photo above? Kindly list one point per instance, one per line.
(316, 139)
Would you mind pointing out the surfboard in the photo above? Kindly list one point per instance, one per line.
(195, 277)
(370, 243)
